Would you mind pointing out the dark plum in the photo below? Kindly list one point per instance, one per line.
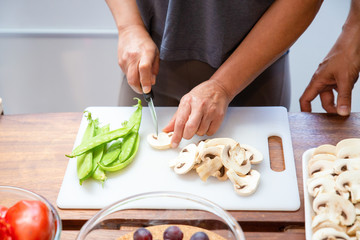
(142, 234)
(173, 233)
(199, 236)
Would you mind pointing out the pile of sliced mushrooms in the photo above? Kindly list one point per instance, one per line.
(334, 185)
(221, 158)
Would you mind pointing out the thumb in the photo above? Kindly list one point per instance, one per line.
(344, 97)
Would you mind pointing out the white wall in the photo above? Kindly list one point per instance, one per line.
(59, 56)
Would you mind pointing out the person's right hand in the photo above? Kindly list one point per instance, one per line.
(138, 58)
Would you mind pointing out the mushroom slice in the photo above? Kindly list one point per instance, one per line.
(349, 181)
(161, 141)
(186, 159)
(332, 207)
(251, 153)
(221, 174)
(220, 141)
(351, 151)
(210, 152)
(244, 185)
(351, 231)
(347, 142)
(233, 157)
(347, 164)
(321, 167)
(321, 223)
(322, 156)
(321, 184)
(325, 149)
(329, 234)
(357, 209)
(208, 167)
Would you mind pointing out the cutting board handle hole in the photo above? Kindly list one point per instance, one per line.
(276, 153)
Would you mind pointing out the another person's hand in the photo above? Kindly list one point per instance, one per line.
(201, 111)
(339, 71)
(138, 58)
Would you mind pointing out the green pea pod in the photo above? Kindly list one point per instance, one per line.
(98, 140)
(111, 153)
(135, 118)
(117, 165)
(98, 173)
(84, 161)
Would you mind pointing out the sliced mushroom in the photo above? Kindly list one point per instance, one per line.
(347, 164)
(351, 231)
(208, 167)
(244, 185)
(186, 159)
(332, 207)
(221, 174)
(322, 156)
(251, 153)
(357, 209)
(161, 141)
(347, 142)
(325, 149)
(349, 181)
(325, 223)
(351, 151)
(321, 184)
(329, 234)
(321, 167)
(220, 141)
(233, 157)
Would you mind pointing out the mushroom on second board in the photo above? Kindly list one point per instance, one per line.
(321, 184)
(244, 185)
(346, 164)
(322, 156)
(325, 149)
(332, 207)
(349, 181)
(321, 167)
(351, 231)
(347, 142)
(161, 141)
(328, 234)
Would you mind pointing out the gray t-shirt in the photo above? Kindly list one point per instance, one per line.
(204, 30)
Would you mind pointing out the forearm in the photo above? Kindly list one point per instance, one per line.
(273, 34)
(125, 13)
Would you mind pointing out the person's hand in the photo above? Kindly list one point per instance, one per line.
(138, 58)
(201, 111)
(339, 71)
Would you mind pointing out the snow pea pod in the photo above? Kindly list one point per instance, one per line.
(98, 140)
(98, 173)
(84, 161)
(117, 165)
(111, 153)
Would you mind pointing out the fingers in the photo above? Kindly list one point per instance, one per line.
(133, 78)
(308, 96)
(327, 101)
(344, 96)
(146, 73)
(182, 116)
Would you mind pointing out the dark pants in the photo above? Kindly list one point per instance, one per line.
(176, 78)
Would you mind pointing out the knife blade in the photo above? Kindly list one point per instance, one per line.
(149, 99)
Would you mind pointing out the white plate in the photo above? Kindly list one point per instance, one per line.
(308, 199)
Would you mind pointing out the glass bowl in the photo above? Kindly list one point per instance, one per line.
(158, 210)
(10, 195)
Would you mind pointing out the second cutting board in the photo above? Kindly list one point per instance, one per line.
(150, 171)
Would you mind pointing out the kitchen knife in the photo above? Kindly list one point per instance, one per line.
(149, 99)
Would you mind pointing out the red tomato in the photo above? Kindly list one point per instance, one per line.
(30, 220)
(3, 211)
(5, 231)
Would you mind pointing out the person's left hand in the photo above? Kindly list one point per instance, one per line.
(201, 111)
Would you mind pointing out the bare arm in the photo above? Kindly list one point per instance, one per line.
(137, 53)
(202, 110)
(339, 70)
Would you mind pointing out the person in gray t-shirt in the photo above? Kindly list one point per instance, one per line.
(205, 55)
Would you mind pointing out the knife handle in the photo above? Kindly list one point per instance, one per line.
(148, 96)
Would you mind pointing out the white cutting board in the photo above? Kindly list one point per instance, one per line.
(277, 191)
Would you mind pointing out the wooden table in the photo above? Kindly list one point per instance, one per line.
(33, 148)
